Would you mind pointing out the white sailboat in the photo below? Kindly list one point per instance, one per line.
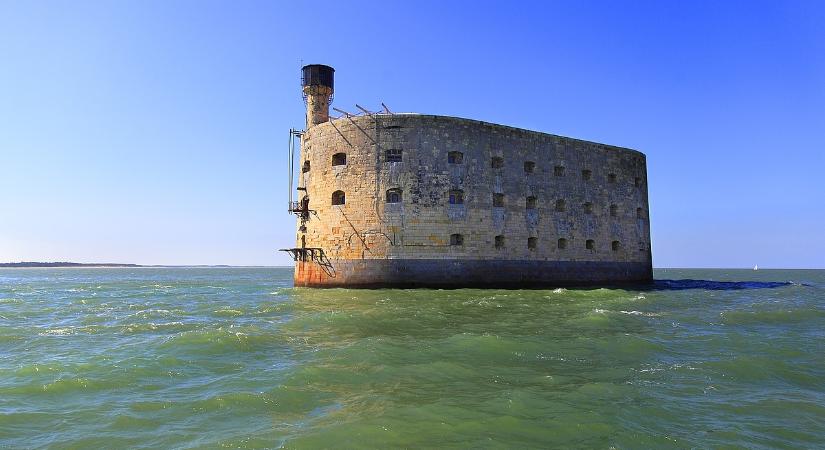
(756, 267)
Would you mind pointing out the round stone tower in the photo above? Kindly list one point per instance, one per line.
(318, 85)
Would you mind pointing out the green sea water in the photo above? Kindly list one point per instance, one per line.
(236, 357)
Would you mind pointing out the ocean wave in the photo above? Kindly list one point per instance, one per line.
(630, 313)
(220, 340)
(63, 386)
(154, 312)
(148, 327)
(771, 316)
(58, 332)
(640, 313)
(228, 312)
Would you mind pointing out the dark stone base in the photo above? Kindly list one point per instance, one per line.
(452, 273)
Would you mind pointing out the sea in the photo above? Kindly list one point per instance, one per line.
(238, 358)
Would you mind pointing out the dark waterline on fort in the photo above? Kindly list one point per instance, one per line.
(187, 357)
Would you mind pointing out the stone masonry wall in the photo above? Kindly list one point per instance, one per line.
(419, 227)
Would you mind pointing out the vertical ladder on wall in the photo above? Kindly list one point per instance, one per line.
(293, 133)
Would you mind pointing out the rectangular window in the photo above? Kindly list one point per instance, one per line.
(498, 200)
(587, 174)
(558, 171)
(456, 197)
(394, 155)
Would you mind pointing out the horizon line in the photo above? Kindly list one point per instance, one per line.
(69, 265)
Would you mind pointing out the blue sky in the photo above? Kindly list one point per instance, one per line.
(156, 132)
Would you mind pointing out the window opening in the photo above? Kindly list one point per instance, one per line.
(338, 198)
(456, 197)
(339, 159)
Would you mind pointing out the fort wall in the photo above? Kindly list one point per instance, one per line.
(441, 201)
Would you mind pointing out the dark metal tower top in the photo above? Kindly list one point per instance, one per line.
(318, 75)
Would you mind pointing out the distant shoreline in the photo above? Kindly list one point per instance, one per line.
(64, 264)
(51, 265)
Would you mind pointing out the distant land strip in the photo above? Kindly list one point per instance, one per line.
(74, 264)
(64, 264)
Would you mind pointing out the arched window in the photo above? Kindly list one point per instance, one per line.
(456, 197)
(614, 210)
(561, 206)
(558, 171)
(611, 178)
(587, 174)
(338, 198)
(588, 208)
(529, 167)
(640, 213)
(615, 245)
(497, 162)
(532, 243)
(562, 243)
(339, 159)
(455, 157)
(394, 195)
(531, 202)
(498, 200)
(456, 239)
(394, 155)
(590, 244)
(500, 241)
(305, 169)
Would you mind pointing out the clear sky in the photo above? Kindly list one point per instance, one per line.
(155, 132)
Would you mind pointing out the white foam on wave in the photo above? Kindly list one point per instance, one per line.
(57, 332)
(630, 313)
(640, 313)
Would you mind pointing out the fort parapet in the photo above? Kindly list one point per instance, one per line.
(432, 201)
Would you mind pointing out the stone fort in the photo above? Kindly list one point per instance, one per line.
(414, 200)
